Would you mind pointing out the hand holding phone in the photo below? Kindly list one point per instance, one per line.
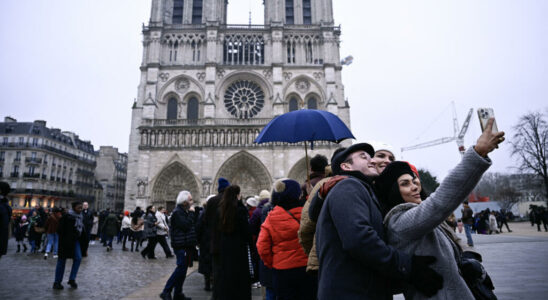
(489, 140)
(484, 115)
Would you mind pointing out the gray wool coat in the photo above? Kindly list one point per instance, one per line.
(416, 229)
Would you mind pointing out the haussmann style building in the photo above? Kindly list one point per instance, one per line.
(44, 165)
(207, 89)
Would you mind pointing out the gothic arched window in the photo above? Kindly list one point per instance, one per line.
(172, 109)
(312, 103)
(293, 104)
(197, 12)
(177, 17)
(192, 109)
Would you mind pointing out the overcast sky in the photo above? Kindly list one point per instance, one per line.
(75, 64)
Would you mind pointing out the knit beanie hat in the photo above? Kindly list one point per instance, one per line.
(223, 184)
(387, 184)
(264, 194)
(285, 191)
(252, 201)
(24, 218)
(379, 146)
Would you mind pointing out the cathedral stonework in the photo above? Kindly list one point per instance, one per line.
(208, 88)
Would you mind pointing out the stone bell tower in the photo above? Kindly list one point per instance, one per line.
(208, 88)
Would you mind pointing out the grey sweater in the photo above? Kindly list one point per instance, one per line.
(416, 229)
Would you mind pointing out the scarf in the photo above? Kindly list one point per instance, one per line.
(79, 224)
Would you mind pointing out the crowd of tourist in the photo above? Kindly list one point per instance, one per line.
(361, 227)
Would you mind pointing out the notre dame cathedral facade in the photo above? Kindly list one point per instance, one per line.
(207, 89)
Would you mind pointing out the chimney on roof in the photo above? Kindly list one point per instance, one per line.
(9, 119)
(40, 123)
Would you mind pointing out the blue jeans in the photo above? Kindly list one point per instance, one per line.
(109, 239)
(32, 243)
(53, 240)
(468, 230)
(178, 277)
(61, 262)
(270, 294)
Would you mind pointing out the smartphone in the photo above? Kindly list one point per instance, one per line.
(484, 115)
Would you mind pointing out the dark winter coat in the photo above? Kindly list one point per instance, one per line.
(182, 231)
(150, 225)
(204, 240)
(51, 224)
(265, 273)
(68, 236)
(21, 231)
(234, 278)
(210, 220)
(110, 226)
(34, 222)
(255, 219)
(88, 220)
(5, 218)
(467, 216)
(355, 261)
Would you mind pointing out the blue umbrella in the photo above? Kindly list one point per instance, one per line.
(305, 125)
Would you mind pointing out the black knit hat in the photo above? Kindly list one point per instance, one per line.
(387, 183)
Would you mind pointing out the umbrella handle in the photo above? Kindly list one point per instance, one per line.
(307, 168)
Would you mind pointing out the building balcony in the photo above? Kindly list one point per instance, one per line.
(52, 149)
(85, 173)
(31, 175)
(204, 122)
(31, 160)
(14, 174)
(17, 159)
(44, 176)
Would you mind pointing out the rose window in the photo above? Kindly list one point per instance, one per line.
(244, 99)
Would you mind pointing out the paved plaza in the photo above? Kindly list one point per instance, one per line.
(517, 263)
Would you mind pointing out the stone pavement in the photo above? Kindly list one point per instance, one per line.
(517, 263)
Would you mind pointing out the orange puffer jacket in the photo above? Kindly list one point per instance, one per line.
(278, 243)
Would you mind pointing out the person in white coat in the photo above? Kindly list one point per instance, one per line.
(162, 231)
(125, 229)
(493, 226)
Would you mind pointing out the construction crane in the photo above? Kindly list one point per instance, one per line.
(458, 136)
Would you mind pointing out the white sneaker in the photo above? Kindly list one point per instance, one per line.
(92, 243)
(55, 256)
(46, 256)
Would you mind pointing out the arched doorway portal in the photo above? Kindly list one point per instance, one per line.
(298, 171)
(171, 180)
(247, 171)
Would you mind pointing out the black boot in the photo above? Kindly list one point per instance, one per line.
(207, 283)
(57, 286)
(18, 249)
(24, 248)
(72, 284)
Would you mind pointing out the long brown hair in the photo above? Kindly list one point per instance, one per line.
(228, 206)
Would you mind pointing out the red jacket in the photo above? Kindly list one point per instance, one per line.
(278, 243)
